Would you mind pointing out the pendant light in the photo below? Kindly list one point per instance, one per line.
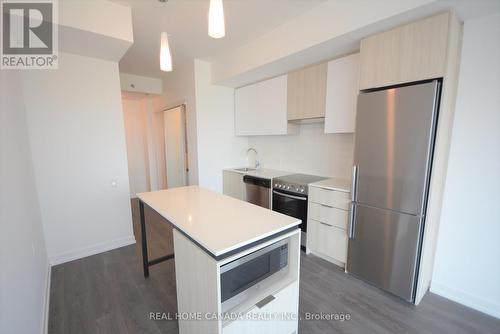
(216, 26)
(165, 55)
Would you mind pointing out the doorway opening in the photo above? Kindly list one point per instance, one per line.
(156, 140)
(176, 155)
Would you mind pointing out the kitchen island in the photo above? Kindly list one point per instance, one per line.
(235, 262)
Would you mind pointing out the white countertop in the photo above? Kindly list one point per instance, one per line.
(343, 185)
(217, 222)
(264, 173)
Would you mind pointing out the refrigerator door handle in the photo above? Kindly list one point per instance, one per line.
(352, 216)
(354, 183)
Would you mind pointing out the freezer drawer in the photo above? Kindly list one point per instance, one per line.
(383, 249)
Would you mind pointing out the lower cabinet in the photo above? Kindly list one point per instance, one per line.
(266, 318)
(326, 239)
(232, 184)
(329, 215)
(327, 224)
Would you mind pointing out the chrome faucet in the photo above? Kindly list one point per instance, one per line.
(257, 163)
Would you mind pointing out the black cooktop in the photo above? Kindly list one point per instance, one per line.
(299, 179)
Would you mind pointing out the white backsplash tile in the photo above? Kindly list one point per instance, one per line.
(311, 151)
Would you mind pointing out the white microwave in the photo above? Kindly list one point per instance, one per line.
(247, 275)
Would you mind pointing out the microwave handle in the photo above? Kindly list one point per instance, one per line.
(265, 301)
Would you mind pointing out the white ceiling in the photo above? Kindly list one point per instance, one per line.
(186, 23)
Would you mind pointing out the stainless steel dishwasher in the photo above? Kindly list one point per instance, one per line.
(257, 191)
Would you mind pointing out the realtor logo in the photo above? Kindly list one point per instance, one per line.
(29, 34)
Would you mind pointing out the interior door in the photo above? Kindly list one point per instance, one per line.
(393, 145)
(383, 249)
(175, 147)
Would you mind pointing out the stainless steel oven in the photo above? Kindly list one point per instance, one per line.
(292, 205)
(248, 274)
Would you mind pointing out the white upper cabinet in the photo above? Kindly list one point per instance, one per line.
(261, 108)
(342, 90)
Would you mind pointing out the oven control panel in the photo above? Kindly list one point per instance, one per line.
(291, 187)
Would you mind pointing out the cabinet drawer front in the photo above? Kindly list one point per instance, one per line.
(327, 240)
(329, 215)
(285, 301)
(336, 199)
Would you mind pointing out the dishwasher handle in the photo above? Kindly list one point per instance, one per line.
(257, 181)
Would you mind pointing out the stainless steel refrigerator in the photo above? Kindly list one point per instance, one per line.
(393, 148)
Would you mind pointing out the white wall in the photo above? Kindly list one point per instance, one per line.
(156, 146)
(100, 17)
(329, 30)
(311, 151)
(218, 147)
(98, 28)
(24, 265)
(77, 137)
(467, 263)
(140, 84)
(134, 114)
(144, 133)
(179, 88)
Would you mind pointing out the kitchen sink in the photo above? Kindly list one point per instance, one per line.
(244, 169)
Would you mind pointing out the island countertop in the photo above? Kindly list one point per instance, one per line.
(219, 223)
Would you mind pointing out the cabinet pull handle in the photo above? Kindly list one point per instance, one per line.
(354, 184)
(326, 206)
(352, 217)
(265, 301)
(325, 224)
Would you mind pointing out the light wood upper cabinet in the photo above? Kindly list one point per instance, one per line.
(412, 52)
(307, 92)
(261, 108)
(342, 88)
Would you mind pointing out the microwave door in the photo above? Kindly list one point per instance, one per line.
(241, 275)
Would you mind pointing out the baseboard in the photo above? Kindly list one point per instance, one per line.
(327, 258)
(490, 307)
(45, 320)
(91, 250)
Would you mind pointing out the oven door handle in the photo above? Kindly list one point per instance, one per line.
(290, 196)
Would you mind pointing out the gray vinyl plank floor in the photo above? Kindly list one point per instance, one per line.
(107, 293)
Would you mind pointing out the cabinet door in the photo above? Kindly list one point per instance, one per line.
(413, 52)
(306, 93)
(328, 240)
(232, 184)
(342, 90)
(261, 108)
